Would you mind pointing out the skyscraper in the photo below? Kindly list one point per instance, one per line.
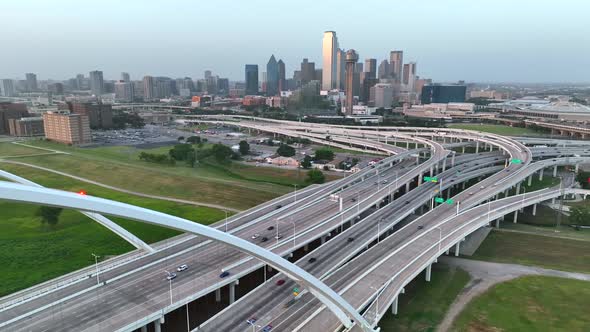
(383, 93)
(7, 88)
(329, 51)
(410, 76)
(148, 87)
(79, 81)
(124, 91)
(282, 76)
(340, 69)
(251, 79)
(383, 71)
(272, 77)
(96, 83)
(207, 74)
(307, 71)
(31, 82)
(371, 68)
(396, 60)
(351, 59)
(125, 77)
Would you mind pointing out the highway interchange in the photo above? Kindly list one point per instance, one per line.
(375, 245)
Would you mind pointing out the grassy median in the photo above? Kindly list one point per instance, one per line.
(495, 129)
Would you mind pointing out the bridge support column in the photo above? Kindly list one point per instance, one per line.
(218, 295)
(498, 223)
(143, 329)
(541, 175)
(463, 186)
(158, 324)
(428, 272)
(232, 292)
(322, 240)
(518, 188)
(407, 187)
(268, 268)
(534, 209)
(447, 252)
(555, 171)
(530, 180)
(407, 145)
(577, 168)
(420, 178)
(453, 159)
(491, 147)
(476, 146)
(463, 149)
(553, 200)
(306, 247)
(515, 216)
(444, 164)
(394, 306)
(457, 245)
(431, 171)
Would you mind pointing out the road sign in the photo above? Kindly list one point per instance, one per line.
(439, 199)
(449, 201)
(295, 290)
(431, 179)
(427, 178)
(516, 161)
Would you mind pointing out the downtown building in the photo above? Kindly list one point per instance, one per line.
(96, 83)
(330, 52)
(251, 79)
(67, 128)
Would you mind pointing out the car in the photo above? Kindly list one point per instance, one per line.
(267, 328)
(312, 260)
(372, 166)
(278, 207)
(407, 202)
(353, 200)
(279, 236)
(420, 227)
(280, 282)
(252, 320)
(255, 236)
(289, 303)
(182, 268)
(482, 187)
(224, 274)
(472, 193)
(264, 239)
(350, 239)
(376, 183)
(384, 181)
(171, 276)
(270, 228)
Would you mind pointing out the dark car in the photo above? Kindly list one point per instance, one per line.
(278, 207)
(224, 274)
(270, 228)
(420, 227)
(312, 260)
(353, 200)
(350, 239)
(267, 328)
(280, 282)
(264, 239)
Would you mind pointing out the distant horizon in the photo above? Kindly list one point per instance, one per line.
(450, 41)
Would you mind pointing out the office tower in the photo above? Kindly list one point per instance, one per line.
(307, 71)
(329, 53)
(383, 95)
(410, 76)
(57, 88)
(351, 60)
(148, 87)
(67, 128)
(124, 91)
(319, 74)
(251, 79)
(340, 69)
(211, 84)
(371, 68)
(163, 87)
(272, 77)
(383, 71)
(80, 81)
(207, 74)
(96, 83)
(31, 84)
(367, 84)
(439, 93)
(100, 116)
(7, 88)
(396, 60)
(223, 86)
(263, 85)
(125, 77)
(282, 76)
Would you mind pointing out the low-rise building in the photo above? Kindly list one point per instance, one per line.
(26, 127)
(283, 161)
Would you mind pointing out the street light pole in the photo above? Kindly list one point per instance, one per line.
(170, 282)
(96, 265)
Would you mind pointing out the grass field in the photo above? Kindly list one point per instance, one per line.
(31, 253)
(494, 129)
(527, 249)
(9, 149)
(529, 304)
(562, 231)
(424, 304)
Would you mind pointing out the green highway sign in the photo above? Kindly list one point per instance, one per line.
(295, 290)
(427, 178)
(431, 179)
(439, 199)
(516, 161)
(449, 201)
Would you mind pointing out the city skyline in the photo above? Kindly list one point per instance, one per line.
(463, 44)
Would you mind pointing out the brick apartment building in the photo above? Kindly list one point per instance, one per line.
(100, 115)
(67, 128)
(10, 111)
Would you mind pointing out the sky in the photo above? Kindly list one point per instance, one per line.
(472, 40)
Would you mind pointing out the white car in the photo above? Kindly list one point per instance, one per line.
(182, 268)
(255, 236)
(171, 276)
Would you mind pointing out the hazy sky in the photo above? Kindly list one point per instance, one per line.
(474, 40)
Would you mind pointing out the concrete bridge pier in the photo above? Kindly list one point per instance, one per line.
(530, 180)
(143, 329)
(158, 324)
(491, 147)
(515, 216)
(463, 149)
(541, 175)
(457, 246)
(420, 178)
(476, 146)
(394, 306)
(218, 295)
(428, 272)
(498, 223)
(534, 209)
(577, 168)
(232, 291)
(555, 171)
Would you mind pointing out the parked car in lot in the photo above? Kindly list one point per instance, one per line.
(182, 268)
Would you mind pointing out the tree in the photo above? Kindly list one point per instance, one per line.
(315, 176)
(285, 150)
(580, 215)
(221, 152)
(49, 215)
(244, 148)
(181, 151)
(194, 140)
(324, 154)
(180, 138)
(306, 163)
(582, 178)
